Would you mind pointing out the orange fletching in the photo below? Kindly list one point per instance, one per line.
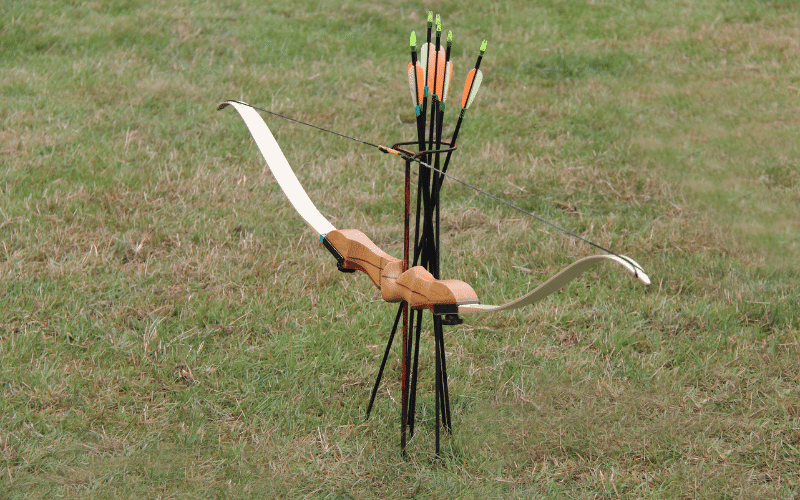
(467, 87)
(436, 69)
(416, 84)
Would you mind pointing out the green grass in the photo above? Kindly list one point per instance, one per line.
(170, 328)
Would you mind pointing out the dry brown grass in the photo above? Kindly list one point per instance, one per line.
(169, 327)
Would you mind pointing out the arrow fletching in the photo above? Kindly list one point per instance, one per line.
(424, 53)
(447, 74)
(416, 82)
(449, 69)
(471, 86)
(436, 69)
(440, 73)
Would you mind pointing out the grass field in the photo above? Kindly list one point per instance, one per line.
(170, 328)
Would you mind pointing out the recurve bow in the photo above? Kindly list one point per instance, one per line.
(354, 251)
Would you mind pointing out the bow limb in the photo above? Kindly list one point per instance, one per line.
(555, 283)
(352, 248)
(280, 168)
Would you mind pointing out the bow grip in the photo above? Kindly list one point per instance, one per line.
(416, 285)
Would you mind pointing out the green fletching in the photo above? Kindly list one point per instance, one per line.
(438, 23)
(448, 70)
(413, 40)
(476, 84)
(430, 18)
(424, 52)
(441, 106)
(449, 38)
(483, 46)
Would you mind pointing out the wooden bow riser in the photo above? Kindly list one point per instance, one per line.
(416, 286)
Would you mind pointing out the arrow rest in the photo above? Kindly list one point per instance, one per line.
(339, 258)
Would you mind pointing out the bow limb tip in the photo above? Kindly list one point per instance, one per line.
(632, 266)
(224, 104)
